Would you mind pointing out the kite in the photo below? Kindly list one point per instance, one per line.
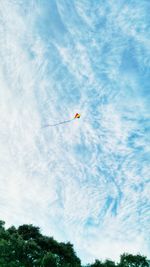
(76, 116)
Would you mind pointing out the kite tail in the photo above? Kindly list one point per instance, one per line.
(62, 122)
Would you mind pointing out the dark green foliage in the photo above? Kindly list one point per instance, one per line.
(29, 231)
(129, 260)
(126, 260)
(50, 260)
(97, 264)
(27, 247)
(2, 223)
(107, 263)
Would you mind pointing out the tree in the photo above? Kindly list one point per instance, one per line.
(2, 223)
(129, 260)
(28, 231)
(68, 255)
(50, 260)
(25, 246)
(97, 263)
(12, 230)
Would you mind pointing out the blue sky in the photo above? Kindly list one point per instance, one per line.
(88, 181)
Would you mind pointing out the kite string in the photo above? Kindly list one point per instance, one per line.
(62, 122)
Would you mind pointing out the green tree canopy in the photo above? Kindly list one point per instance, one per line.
(25, 246)
(129, 260)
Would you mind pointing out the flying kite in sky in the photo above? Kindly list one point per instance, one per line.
(76, 116)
